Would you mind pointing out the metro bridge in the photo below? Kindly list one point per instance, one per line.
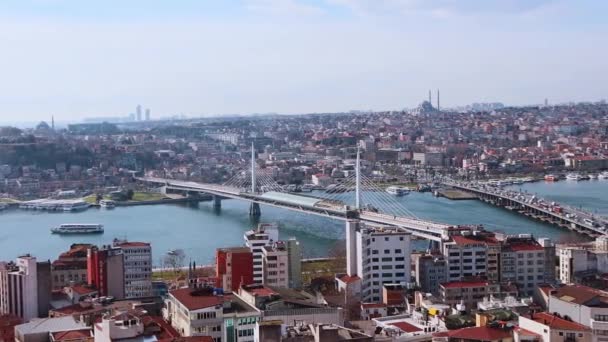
(256, 187)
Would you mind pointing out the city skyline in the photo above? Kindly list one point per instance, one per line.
(76, 60)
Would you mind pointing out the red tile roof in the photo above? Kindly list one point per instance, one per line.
(525, 247)
(82, 290)
(261, 291)
(480, 334)
(191, 302)
(557, 322)
(349, 279)
(72, 335)
(406, 327)
(474, 240)
(579, 294)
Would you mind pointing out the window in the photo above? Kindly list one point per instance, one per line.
(387, 251)
(387, 259)
(387, 267)
(401, 238)
(386, 238)
(387, 275)
(400, 274)
(375, 251)
(397, 251)
(399, 259)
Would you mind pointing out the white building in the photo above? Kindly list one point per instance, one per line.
(255, 240)
(137, 267)
(119, 327)
(582, 305)
(275, 262)
(467, 255)
(552, 328)
(19, 288)
(378, 255)
(581, 258)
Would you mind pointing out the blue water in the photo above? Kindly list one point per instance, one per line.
(200, 230)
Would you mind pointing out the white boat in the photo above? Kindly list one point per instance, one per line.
(78, 228)
(592, 176)
(75, 206)
(397, 190)
(108, 204)
(574, 176)
(603, 175)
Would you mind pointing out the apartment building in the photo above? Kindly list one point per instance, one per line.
(137, 268)
(19, 288)
(255, 240)
(467, 293)
(105, 271)
(70, 267)
(203, 312)
(577, 261)
(523, 262)
(275, 262)
(234, 267)
(471, 253)
(377, 255)
(431, 271)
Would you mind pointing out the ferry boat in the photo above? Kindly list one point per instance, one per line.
(108, 204)
(574, 176)
(551, 178)
(78, 228)
(397, 190)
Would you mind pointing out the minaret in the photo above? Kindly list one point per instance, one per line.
(53, 122)
(438, 108)
(430, 100)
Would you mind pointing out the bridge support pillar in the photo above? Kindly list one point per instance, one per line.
(254, 210)
(434, 246)
(217, 202)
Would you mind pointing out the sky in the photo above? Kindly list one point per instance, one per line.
(74, 59)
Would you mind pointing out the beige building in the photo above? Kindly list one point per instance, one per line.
(275, 262)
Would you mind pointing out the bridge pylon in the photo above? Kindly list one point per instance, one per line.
(254, 210)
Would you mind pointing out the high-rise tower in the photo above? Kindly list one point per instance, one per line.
(138, 111)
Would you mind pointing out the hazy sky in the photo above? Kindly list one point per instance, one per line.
(75, 58)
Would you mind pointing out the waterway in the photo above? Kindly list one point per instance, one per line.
(200, 230)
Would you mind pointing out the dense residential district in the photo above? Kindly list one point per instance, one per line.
(471, 284)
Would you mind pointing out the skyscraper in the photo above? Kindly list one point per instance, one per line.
(147, 114)
(438, 108)
(138, 110)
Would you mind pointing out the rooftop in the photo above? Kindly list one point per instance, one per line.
(555, 322)
(196, 300)
(464, 284)
(46, 325)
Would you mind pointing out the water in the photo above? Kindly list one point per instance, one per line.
(200, 230)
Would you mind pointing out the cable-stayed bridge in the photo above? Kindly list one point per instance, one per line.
(372, 204)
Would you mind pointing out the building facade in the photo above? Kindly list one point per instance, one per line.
(105, 271)
(19, 288)
(275, 262)
(255, 240)
(137, 257)
(234, 267)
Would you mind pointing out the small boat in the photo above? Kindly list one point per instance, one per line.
(550, 178)
(592, 176)
(78, 228)
(603, 175)
(397, 190)
(574, 177)
(108, 204)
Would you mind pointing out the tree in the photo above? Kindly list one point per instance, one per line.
(175, 259)
(130, 194)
